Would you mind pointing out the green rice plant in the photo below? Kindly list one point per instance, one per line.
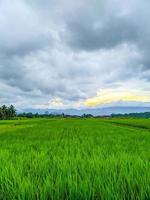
(75, 159)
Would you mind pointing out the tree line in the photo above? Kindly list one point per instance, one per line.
(7, 112)
(51, 115)
(145, 115)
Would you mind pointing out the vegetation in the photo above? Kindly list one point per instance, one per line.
(7, 112)
(51, 115)
(75, 159)
(131, 122)
(133, 115)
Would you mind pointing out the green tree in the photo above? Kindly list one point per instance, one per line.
(11, 111)
(4, 112)
(7, 112)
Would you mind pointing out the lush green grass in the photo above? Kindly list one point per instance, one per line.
(75, 159)
(136, 123)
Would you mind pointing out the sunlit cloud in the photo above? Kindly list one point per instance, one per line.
(107, 96)
(56, 103)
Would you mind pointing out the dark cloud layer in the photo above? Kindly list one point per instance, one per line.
(69, 50)
(101, 32)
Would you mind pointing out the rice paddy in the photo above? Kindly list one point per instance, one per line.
(75, 159)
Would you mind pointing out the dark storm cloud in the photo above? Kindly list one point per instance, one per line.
(93, 29)
(105, 33)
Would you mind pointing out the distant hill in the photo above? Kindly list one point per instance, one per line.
(94, 111)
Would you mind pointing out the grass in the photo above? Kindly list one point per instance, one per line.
(75, 159)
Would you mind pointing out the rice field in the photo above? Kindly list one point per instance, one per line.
(75, 159)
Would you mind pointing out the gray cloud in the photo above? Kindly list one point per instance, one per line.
(22, 29)
(106, 32)
(71, 49)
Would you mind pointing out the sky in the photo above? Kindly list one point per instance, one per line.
(74, 54)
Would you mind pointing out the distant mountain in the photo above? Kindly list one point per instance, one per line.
(94, 111)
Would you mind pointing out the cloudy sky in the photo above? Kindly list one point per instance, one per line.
(66, 53)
